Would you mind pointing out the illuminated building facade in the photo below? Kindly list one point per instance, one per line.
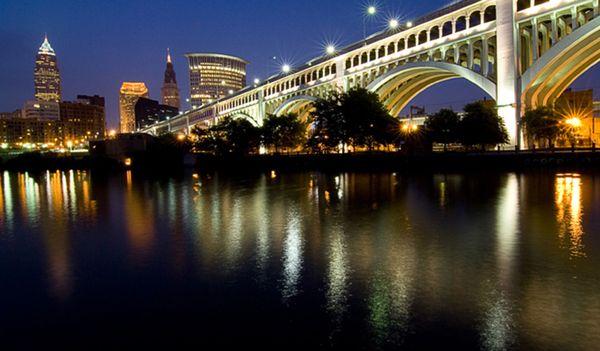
(129, 94)
(148, 112)
(18, 131)
(170, 90)
(46, 74)
(84, 119)
(214, 76)
(42, 110)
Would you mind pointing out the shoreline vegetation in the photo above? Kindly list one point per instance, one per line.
(349, 131)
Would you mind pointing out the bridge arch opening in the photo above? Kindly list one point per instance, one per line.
(300, 105)
(399, 86)
(560, 66)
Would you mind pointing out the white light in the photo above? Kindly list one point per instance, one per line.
(286, 68)
(409, 24)
(256, 81)
(394, 23)
(371, 10)
(330, 49)
(230, 92)
(223, 82)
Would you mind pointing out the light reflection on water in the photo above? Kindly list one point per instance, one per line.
(375, 260)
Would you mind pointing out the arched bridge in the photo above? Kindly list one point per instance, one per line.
(523, 53)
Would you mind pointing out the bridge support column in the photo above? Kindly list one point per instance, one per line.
(596, 8)
(535, 46)
(508, 95)
(485, 57)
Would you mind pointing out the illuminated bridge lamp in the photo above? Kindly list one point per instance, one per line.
(371, 10)
(286, 68)
(330, 49)
(394, 23)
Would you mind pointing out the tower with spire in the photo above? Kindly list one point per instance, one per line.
(46, 75)
(170, 91)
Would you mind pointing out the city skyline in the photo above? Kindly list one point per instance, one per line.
(258, 32)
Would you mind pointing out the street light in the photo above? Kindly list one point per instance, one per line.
(394, 23)
(409, 24)
(574, 122)
(256, 81)
(286, 68)
(330, 49)
(371, 11)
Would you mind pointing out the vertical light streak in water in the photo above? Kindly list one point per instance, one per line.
(507, 227)
(32, 195)
(569, 213)
(72, 195)
(293, 247)
(234, 235)
(337, 282)
(498, 328)
(262, 218)
(498, 324)
(57, 238)
(8, 215)
(140, 226)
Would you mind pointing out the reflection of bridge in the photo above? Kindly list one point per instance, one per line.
(522, 53)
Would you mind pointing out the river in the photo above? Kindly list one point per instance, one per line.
(301, 260)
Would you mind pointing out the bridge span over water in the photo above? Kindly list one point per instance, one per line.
(523, 54)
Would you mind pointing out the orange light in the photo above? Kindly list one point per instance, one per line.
(127, 162)
(180, 137)
(574, 122)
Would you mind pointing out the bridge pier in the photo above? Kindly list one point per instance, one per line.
(508, 94)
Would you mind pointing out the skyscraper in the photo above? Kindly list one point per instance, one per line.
(214, 76)
(46, 74)
(170, 91)
(128, 97)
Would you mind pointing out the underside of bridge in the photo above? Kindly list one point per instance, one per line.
(399, 86)
(560, 66)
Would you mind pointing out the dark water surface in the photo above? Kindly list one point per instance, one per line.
(310, 260)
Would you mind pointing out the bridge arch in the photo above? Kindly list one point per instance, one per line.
(246, 116)
(298, 104)
(561, 65)
(399, 86)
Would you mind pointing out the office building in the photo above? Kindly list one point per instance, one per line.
(46, 74)
(214, 76)
(170, 90)
(129, 94)
(149, 112)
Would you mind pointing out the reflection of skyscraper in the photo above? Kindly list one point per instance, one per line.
(46, 74)
(170, 91)
(214, 76)
(128, 97)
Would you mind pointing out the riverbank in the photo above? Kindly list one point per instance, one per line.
(374, 161)
(507, 161)
(37, 161)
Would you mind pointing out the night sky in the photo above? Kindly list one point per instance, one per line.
(102, 43)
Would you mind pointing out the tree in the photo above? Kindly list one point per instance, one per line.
(285, 131)
(482, 126)
(356, 118)
(368, 121)
(229, 136)
(329, 125)
(443, 127)
(542, 124)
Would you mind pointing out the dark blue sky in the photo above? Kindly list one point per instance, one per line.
(102, 43)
